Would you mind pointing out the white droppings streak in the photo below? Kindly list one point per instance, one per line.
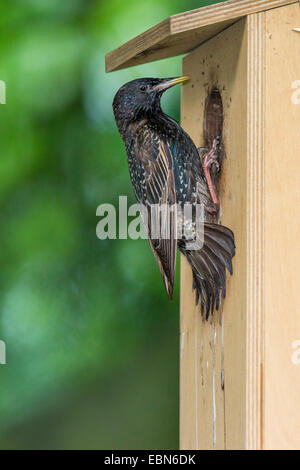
(222, 356)
(196, 379)
(182, 341)
(214, 334)
(201, 362)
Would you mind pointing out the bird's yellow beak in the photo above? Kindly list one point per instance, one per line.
(176, 80)
(169, 82)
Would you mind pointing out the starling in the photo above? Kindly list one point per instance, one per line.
(166, 169)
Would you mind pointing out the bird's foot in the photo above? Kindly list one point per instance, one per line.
(211, 156)
(208, 160)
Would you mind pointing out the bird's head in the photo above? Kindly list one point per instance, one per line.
(138, 98)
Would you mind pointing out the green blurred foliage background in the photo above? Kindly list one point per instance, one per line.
(92, 341)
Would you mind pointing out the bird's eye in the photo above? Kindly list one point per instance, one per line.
(143, 88)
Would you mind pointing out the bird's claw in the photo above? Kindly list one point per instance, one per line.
(211, 157)
(216, 143)
(208, 160)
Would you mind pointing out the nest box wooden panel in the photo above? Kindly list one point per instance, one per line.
(240, 372)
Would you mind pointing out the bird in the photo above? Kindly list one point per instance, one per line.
(167, 170)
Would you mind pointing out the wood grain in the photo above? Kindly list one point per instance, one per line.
(212, 416)
(282, 228)
(181, 33)
(256, 31)
(256, 66)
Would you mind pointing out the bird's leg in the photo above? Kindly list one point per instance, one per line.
(207, 161)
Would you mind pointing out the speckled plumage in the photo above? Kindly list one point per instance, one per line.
(165, 168)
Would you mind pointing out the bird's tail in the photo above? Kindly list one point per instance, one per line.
(209, 266)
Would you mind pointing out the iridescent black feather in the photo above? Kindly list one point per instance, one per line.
(165, 168)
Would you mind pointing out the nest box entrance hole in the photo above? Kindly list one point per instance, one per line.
(213, 128)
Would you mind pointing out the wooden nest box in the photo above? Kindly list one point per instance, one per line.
(240, 372)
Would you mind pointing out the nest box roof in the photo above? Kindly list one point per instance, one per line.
(181, 33)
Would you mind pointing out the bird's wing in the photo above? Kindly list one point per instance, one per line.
(160, 204)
